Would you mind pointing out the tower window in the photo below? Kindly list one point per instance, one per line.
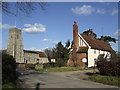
(17, 36)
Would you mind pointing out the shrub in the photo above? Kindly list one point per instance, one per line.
(60, 63)
(111, 67)
(8, 68)
(49, 65)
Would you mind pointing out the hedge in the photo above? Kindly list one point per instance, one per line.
(111, 67)
(8, 68)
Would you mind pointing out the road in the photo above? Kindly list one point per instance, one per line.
(34, 79)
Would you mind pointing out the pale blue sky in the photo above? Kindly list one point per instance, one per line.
(46, 28)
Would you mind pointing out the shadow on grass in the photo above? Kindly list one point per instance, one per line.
(27, 72)
(18, 74)
(91, 73)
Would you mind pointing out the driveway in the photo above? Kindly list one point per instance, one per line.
(34, 79)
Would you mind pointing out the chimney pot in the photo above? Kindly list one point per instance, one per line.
(90, 34)
(75, 22)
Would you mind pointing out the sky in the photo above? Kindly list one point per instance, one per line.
(45, 28)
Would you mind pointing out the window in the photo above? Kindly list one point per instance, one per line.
(103, 52)
(24, 60)
(95, 60)
(37, 60)
(94, 51)
(80, 42)
(99, 51)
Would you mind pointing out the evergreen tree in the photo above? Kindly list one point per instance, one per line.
(107, 39)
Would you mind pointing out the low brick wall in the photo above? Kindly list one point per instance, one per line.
(80, 56)
(79, 62)
(21, 65)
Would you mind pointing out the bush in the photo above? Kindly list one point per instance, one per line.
(111, 67)
(49, 65)
(60, 63)
(8, 68)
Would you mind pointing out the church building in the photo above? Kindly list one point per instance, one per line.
(86, 49)
(15, 48)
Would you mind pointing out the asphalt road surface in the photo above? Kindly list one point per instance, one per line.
(34, 79)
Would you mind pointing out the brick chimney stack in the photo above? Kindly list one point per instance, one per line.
(102, 38)
(90, 34)
(75, 35)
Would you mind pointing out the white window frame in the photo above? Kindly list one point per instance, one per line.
(94, 51)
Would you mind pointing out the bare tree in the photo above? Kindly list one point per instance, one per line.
(18, 8)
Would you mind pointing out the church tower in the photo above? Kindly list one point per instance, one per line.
(15, 46)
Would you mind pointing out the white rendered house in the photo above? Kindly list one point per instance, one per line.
(87, 47)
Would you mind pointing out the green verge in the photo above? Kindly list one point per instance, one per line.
(11, 85)
(109, 80)
(62, 69)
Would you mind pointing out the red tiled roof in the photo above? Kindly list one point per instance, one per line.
(97, 44)
(41, 54)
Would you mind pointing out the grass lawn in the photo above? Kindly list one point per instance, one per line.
(110, 80)
(11, 85)
(62, 69)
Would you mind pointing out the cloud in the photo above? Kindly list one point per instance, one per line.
(114, 45)
(45, 40)
(117, 33)
(7, 26)
(87, 10)
(47, 48)
(35, 28)
(100, 11)
(54, 42)
(114, 12)
(84, 10)
(34, 49)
